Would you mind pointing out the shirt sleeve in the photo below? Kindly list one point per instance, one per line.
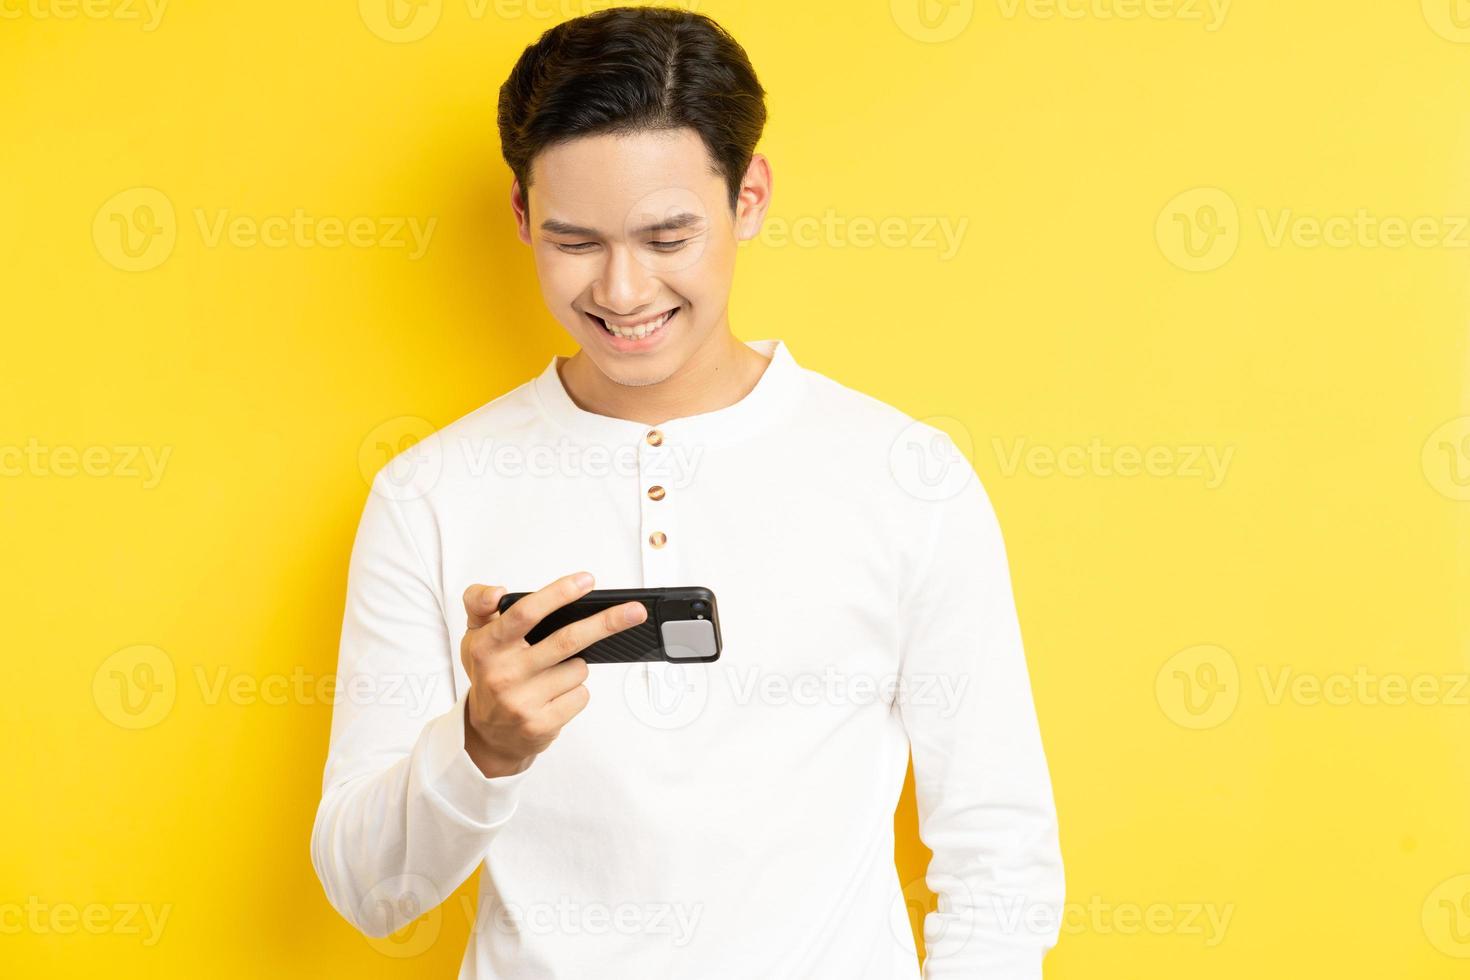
(982, 784)
(405, 814)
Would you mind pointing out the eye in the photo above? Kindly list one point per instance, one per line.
(576, 246)
(671, 246)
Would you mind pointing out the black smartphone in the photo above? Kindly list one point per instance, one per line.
(683, 625)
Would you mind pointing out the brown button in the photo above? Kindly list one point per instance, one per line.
(654, 437)
(655, 493)
(657, 539)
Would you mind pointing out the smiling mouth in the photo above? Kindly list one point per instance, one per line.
(645, 329)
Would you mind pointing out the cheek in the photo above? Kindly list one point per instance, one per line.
(708, 278)
(560, 279)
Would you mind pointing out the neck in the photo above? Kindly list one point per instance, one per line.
(720, 373)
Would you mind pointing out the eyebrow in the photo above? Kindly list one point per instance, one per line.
(683, 219)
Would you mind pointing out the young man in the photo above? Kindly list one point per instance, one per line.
(720, 820)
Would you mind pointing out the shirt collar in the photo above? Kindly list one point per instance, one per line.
(773, 399)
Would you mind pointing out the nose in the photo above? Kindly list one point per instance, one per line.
(625, 286)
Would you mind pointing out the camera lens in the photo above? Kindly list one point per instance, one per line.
(700, 606)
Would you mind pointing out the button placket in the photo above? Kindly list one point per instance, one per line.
(658, 537)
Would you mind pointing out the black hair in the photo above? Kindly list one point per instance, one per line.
(625, 70)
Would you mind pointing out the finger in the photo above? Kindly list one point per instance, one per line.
(529, 610)
(480, 603)
(554, 681)
(568, 706)
(576, 637)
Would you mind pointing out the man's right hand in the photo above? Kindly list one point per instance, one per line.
(521, 694)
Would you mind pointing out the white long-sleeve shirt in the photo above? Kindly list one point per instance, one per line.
(721, 821)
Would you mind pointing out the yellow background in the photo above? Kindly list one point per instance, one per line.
(1160, 609)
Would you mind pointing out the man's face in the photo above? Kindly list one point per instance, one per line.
(627, 228)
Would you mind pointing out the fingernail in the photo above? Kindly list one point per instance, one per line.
(584, 580)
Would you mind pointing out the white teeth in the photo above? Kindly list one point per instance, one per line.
(640, 331)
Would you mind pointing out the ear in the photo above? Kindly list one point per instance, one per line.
(522, 210)
(754, 198)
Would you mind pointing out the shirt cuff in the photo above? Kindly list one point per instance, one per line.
(450, 773)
